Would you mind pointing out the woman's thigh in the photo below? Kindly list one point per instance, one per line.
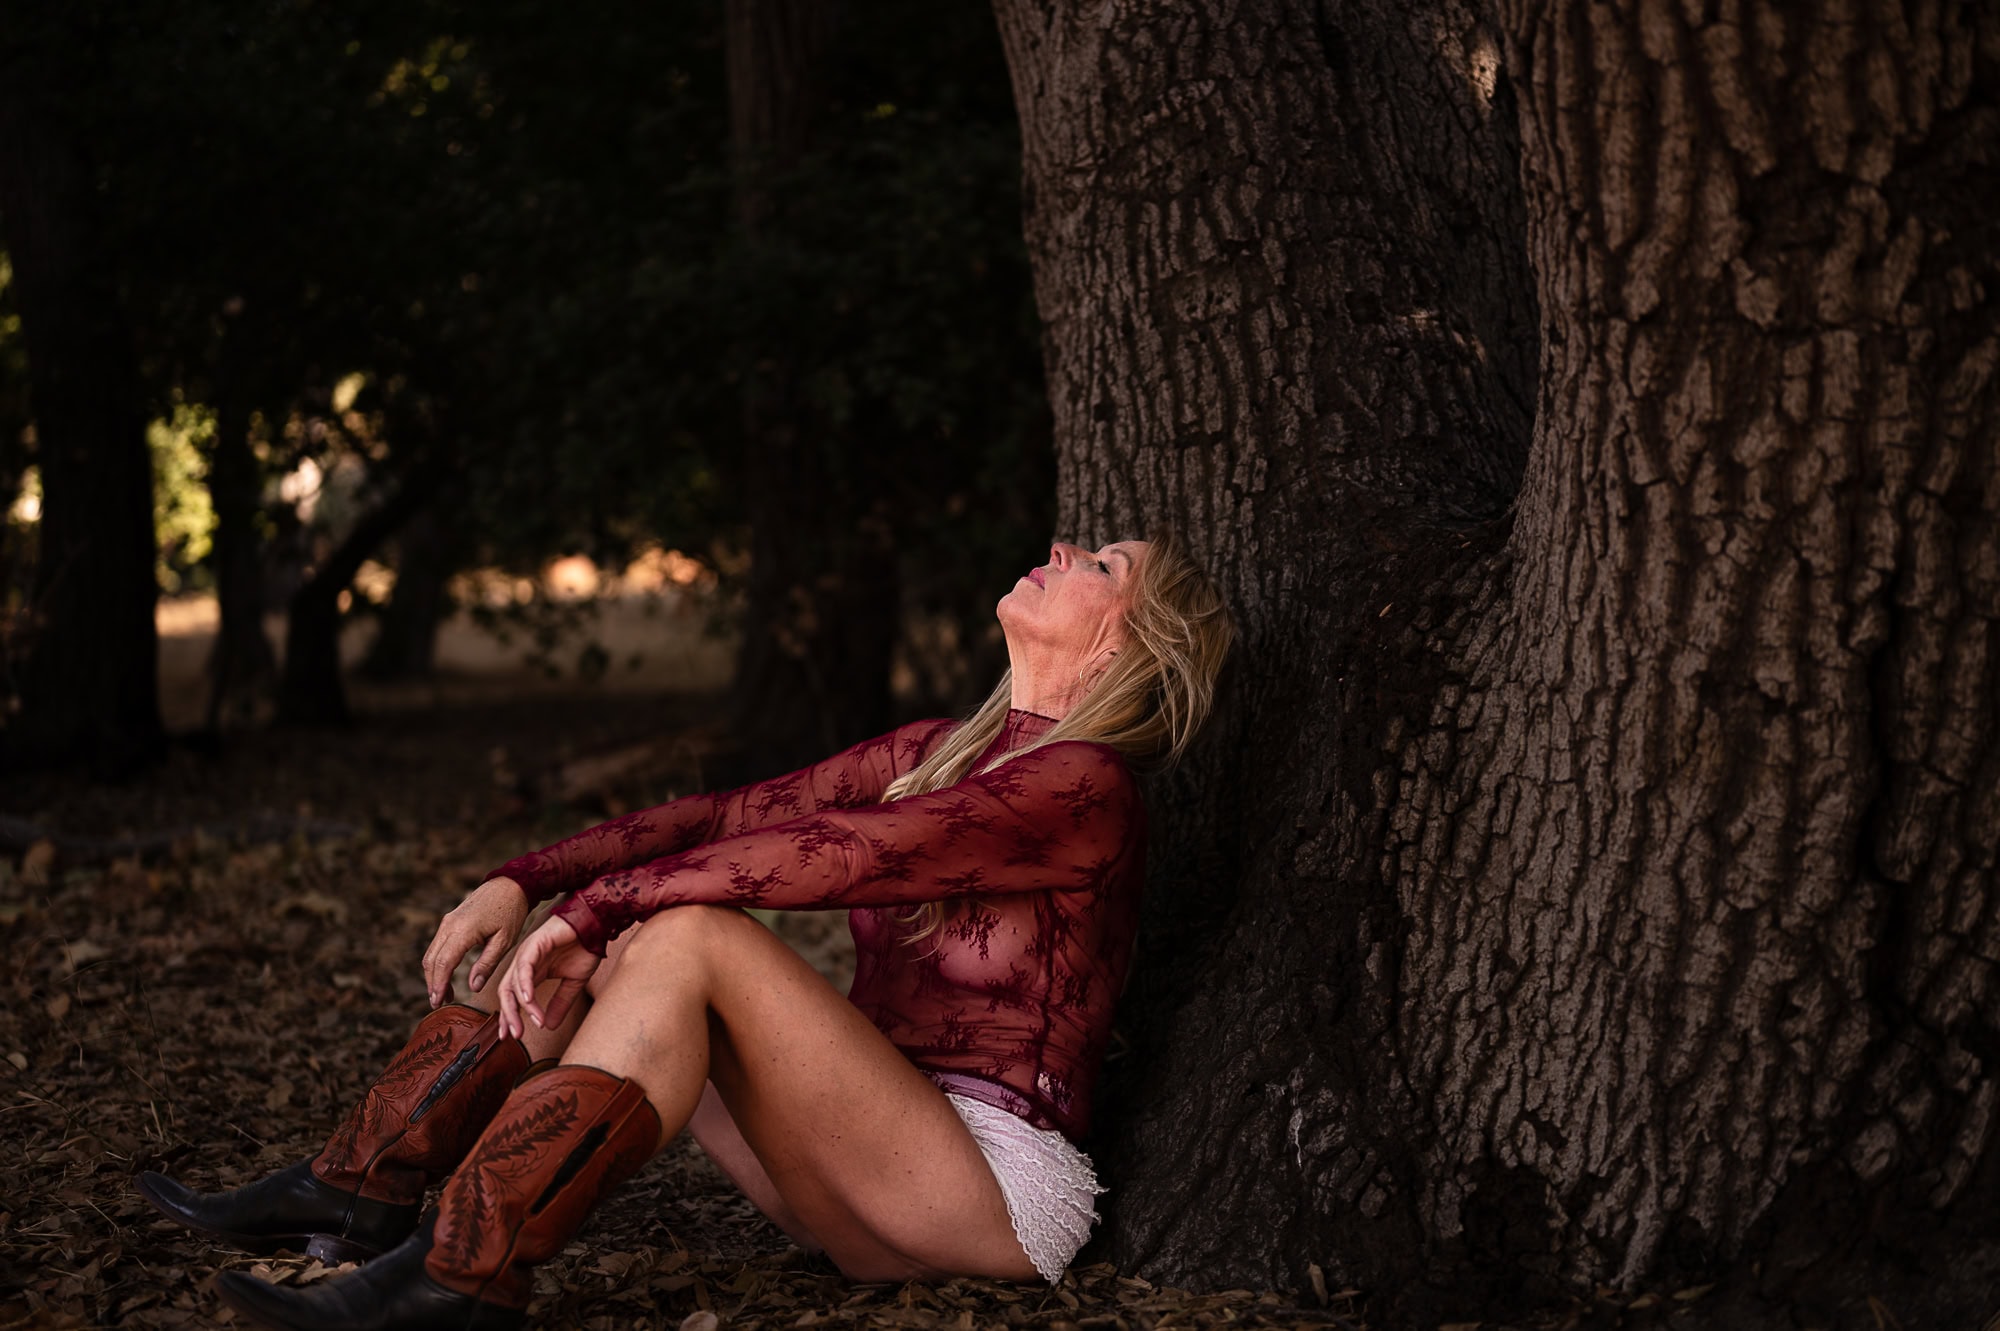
(722, 1141)
(864, 1151)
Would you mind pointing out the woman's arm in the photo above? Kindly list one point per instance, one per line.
(1059, 817)
(855, 776)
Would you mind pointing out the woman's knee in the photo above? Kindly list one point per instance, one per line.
(680, 933)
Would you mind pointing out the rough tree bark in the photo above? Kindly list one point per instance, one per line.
(89, 688)
(1597, 886)
(820, 622)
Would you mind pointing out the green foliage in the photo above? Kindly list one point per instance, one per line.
(516, 221)
(183, 519)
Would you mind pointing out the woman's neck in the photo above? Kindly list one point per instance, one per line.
(1049, 692)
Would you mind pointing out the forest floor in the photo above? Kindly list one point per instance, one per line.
(206, 967)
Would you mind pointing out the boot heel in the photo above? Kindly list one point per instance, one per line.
(562, 1140)
(360, 1196)
(333, 1250)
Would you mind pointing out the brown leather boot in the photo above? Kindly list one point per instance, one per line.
(563, 1139)
(362, 1194)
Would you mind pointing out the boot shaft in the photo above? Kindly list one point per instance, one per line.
(426, 1109)
(564, 1138)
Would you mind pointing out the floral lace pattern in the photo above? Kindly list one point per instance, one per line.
(1040, 862)
(1051, 1187)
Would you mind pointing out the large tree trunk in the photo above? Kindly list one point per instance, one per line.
(243, 669)
(427, 554)
(1601, 890)
(312, 691)
(822, 608)
(89, 687)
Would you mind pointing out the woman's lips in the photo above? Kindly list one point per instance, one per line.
(1035, 576)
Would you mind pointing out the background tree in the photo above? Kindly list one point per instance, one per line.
(822, 604)
(843, 459)
(88, 677)
(517, 233)
(1591, 875)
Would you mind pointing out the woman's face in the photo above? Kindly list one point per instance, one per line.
(1074, 604)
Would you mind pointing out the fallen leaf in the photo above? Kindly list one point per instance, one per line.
(82, 952)
(315, 903)
(57, 1007)
(37, 862)
(699, 1321)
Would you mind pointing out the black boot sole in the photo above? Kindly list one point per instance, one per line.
(148, 1186)
(178, 1203)
(392, 1294)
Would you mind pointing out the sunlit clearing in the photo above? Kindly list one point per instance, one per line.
(656, 569)
(301, 488)
(578, 577)
(28, 504)
(187, 616)
(571, 578)
(347, 390)
(375, 580)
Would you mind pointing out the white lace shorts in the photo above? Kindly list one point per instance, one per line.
(1049, 1184)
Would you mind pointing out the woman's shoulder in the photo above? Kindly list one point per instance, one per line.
(1088, 764)
(914, 740)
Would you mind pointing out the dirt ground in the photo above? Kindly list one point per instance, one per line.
(206, 967)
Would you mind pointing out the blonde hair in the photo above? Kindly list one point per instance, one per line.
(1148, 704)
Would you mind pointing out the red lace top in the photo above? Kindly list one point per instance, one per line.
(1040, 862)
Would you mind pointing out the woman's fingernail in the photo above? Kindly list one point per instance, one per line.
(477, 980)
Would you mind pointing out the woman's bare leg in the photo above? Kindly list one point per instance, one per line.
(711, 1126)
(863, 1150)
(722, 1141)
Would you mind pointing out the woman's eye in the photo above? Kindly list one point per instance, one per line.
(1104, 565)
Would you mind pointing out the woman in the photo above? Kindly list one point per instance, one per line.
(924, 1126)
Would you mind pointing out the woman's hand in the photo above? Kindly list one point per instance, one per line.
(550, 953)
(490, 918)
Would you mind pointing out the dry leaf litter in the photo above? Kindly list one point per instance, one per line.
(204, 1001)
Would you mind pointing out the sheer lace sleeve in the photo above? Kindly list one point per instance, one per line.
(1054, 818)
(853, 777)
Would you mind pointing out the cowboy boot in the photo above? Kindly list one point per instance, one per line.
(361, 1195)
(563, 1139)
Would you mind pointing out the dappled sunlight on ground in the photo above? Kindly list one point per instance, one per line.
(653, 640)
